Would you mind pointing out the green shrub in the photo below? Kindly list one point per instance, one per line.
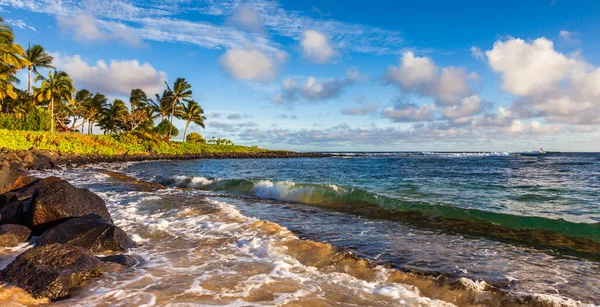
(195, 137)
(165, 127)
(35, 119)
(125, 143)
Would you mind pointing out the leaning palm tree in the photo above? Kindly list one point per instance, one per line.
(37, 58)
(56, 88)
(182, 90)
(190, 112)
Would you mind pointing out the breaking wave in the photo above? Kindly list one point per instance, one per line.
(580, 237)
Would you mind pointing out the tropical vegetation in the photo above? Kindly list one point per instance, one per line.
(51, 102)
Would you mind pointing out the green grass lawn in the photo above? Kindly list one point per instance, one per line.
(110, 145)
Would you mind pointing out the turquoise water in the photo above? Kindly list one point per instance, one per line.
(522, 222)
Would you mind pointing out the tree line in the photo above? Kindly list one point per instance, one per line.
(72, 110)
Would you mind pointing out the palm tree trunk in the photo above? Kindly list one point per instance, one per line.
(185, 130)
(171, 127)
(29, 81)
(52, 114)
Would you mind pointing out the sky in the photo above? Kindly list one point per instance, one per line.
(344, 75)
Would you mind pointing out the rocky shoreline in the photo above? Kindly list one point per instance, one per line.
(67, 226)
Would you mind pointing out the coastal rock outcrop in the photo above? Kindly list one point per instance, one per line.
(51, 271)
(123, 260)
(54, 203)
(91, 232)
(11, 179)
(27, 191)
(12, 235)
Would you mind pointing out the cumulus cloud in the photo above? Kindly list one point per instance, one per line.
(313, 89)
(349, 136)
(246, 18)
(86, 28)
(420, 75)
(234, 116)
(114, 77)
(363, 109)
(558, 87)
(534, 67)
(468, 106)
(222, 126)
(316, 47)
(407, 112)
(251, 65)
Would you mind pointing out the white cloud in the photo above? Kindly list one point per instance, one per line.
(113, 78)
(251, 65)
(560, 88)
(469, 106)
(420, 75)
(20, 24)
(313, 89)
(316, 47)
(246, 18)
(412, 72)
(568, 37)
(530, 68)
(364, 109)
(86, 28)
(406, 112)
(222, 126)
(155, 20)
(477, 53)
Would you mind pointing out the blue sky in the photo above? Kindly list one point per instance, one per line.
(344, 75)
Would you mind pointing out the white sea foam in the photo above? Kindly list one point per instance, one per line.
(183, 253)
(291, 191)
(180, 256)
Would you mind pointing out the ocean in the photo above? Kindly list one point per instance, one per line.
(355, 229)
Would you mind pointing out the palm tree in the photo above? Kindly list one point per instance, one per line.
(37, 58)
(11, 60)
(112, 115)
(79, 109)
(56, 88)
(161, 105)
(6, 33)
(94, 108)
(190, 112)
(138, 99)
(182, 90)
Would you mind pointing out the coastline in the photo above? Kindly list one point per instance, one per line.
(328, 258)
(45, 159)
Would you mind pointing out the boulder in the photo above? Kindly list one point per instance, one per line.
(123, 260)
(53, 204)
(51, 271)
(11, 179)
(14, 212)
(91, 232)
(27, 191)
(12, 235)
